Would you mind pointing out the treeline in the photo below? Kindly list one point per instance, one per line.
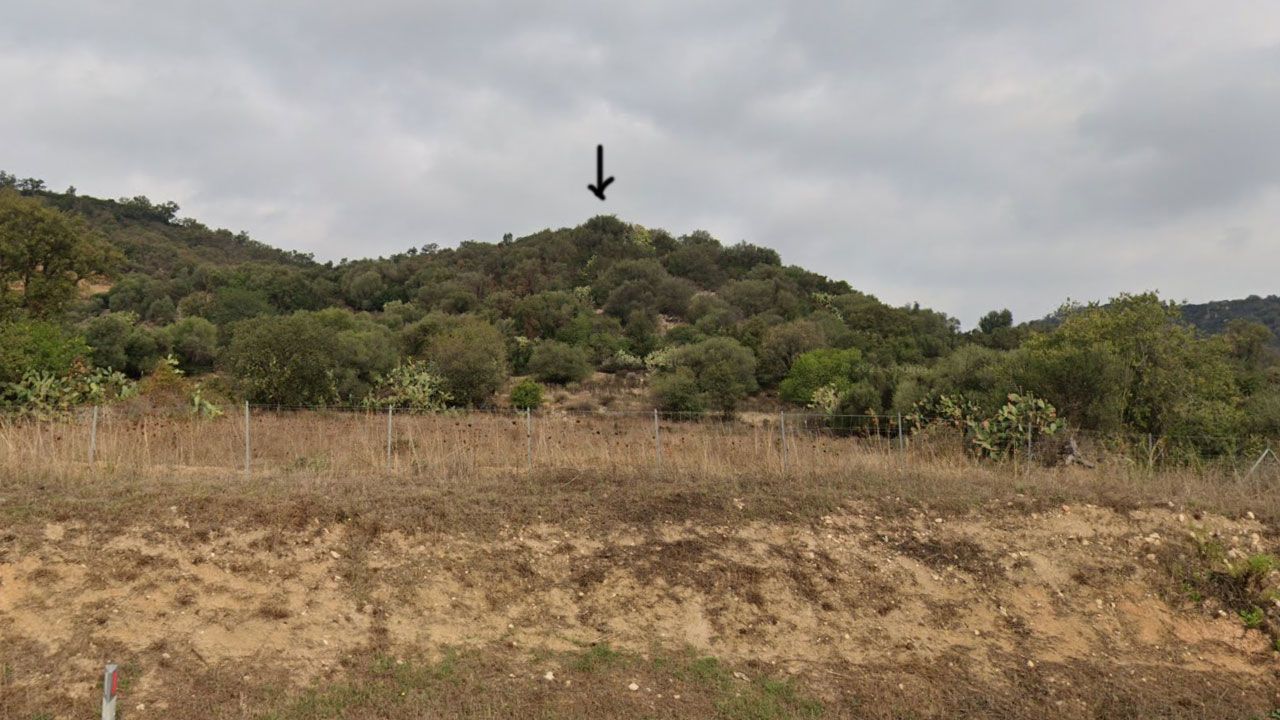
(97, 295)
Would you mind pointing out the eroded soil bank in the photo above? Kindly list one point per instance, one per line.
(1074, 611)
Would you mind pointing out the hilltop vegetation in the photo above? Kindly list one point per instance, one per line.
(1217, 316)
(98, 294)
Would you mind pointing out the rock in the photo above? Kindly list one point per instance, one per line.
(740, 676)
(1250, 515)
(334, 554)
(633, 687)
(549, 676)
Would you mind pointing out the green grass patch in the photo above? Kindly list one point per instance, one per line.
(596, 658)
(502, 683)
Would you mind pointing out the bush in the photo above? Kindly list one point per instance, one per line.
(309, 358)
(194, 341)
(472, 358)
(120, 343)
(721, 369)
(815, 369)
(622, 362)
(283, 361)
(678, 392)
(35, 346)
(558, 363)
(783, 344)
(526, 395)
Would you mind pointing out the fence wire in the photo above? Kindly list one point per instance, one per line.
(348, 441)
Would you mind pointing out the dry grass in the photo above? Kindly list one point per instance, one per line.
(472, 471)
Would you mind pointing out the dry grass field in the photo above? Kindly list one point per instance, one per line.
(863, 581)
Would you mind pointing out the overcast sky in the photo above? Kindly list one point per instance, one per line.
(965, 155)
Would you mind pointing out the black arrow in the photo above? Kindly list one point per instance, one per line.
(601, 181)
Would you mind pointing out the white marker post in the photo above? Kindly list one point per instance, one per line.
(110, 689)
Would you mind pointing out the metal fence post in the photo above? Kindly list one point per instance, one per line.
(902, 445)
(389, 409)
(782, 433)
(93, 435)
(110, 687)
(528, 435)
(247, 447)
(657, 440)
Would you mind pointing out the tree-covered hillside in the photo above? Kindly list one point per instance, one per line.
(97, 295)
(1216, 316)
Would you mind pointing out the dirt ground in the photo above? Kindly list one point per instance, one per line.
(1069, 612)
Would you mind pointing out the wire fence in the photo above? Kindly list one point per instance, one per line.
(337, 441)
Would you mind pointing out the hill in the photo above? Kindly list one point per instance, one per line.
(1213, 317)
(683, 323)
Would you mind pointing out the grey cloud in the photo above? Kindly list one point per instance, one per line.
(965, 155)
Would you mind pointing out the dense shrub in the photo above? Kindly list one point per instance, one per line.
(119, 342)
(283, 361)
(678, 392)
(558, 363)
(782, 344)
(837, 369)
(194, 341)
(526, 395)
(471, 356)
(40, 347)
(721, 369)
(310, 358)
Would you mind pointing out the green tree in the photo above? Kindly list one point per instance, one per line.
(542, 315)
(996, 330)
(44, 254)
(1248, 340)
(995, 320)
(233, 303)
(1133, 363)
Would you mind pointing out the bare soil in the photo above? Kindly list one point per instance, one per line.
(1004, 611)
